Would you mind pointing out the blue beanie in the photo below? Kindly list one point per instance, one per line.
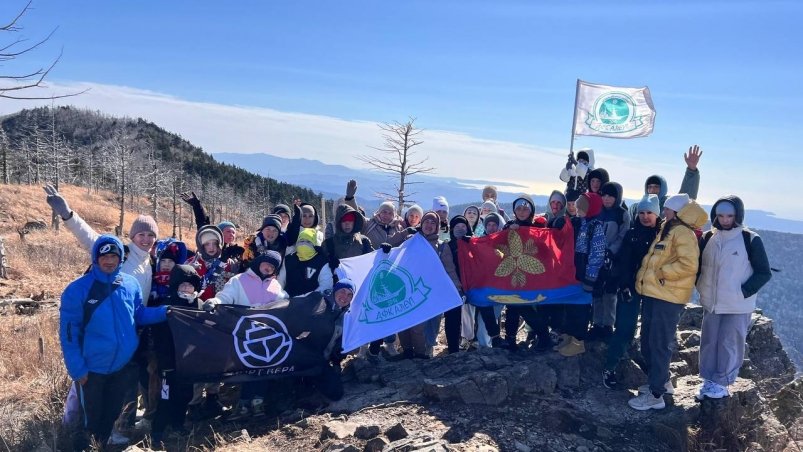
(649, 203)
(344, 283)
(226, 224)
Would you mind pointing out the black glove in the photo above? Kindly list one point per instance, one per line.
(568, 165)
(57, 202)
(351, 189)
(385, 247)
(411, 230)
(190, 198)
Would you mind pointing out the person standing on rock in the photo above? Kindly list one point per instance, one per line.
(734, 266)
(665, 282)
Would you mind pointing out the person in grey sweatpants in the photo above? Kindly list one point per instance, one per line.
(734, 266)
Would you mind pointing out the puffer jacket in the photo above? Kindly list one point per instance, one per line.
(379, 233)
(669, 270)
(105, 341)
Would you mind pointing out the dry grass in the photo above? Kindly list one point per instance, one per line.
(48, 260)
(32, 375)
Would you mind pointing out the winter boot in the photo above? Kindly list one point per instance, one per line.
(573, 347)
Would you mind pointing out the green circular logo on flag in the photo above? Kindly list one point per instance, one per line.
(392, 292)
(614, 112)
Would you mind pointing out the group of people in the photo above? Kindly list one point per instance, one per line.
(644, 260)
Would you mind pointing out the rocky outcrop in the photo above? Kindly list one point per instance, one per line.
(493, 399)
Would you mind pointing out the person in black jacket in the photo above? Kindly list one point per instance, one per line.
(635, 246)
(175, 396)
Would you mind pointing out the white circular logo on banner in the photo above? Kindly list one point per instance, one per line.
(262, 340)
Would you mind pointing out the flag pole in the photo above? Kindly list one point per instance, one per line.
(574, 118)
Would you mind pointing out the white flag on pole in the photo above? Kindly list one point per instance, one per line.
(613, 111)
(395, 291)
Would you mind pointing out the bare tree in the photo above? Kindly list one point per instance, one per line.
(397, 158)
(5, 149)
(121, 150)
(13, 47)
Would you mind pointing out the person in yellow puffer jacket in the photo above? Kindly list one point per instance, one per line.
(665, 281)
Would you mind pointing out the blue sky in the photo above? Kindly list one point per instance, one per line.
(722, 74)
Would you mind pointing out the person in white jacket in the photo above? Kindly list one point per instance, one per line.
(142, 236)
(734, 266)
(576, 170)
(257, 287)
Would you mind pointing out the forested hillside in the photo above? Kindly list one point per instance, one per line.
(132, 158)
(782, 297)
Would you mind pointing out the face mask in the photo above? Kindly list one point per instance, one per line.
(189, 297)
(305, 252)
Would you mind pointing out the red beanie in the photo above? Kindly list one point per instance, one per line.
(594, 204)
(350, 216)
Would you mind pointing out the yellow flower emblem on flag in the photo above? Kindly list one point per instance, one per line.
(518, 259)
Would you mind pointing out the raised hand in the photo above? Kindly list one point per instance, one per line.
(351, 189)
(190, 198)
(57, 202)
(692, 157)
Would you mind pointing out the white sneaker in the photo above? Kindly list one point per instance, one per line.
(645, 389)
(713, 391)
(117, 438)
(142, 425)
(706, 386)
(647, 401)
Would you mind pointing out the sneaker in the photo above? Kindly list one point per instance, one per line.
(142, 425)
(712, 390)
(257, 407)
(573, 347)
(644, 402)
(240, 411)
(465, 344)
(609, 379)
(561, 341)
(645, 389)
(117, 438)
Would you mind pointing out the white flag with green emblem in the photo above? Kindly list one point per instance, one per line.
(395, 291)
(613, 111)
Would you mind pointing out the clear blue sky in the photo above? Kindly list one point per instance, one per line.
(723, 74)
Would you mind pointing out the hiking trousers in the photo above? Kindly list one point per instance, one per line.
(659, 323)
(722, 342)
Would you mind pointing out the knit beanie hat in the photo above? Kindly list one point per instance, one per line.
(649, 203)
(308, 235)
(282, 208)
(171, 252)
(439, 203)
(226, 224)
(653, 180)
(490, 190)
(348, 216)
(271, 257)
(143, 223)
(272, 220)
(489, 205)
(414, 208)
(725, 208)
(387, 205)
(344, 283)
(677, 202)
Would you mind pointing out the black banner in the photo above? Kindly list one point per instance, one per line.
(236, 344)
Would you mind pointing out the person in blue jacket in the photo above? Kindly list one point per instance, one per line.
(99, 315)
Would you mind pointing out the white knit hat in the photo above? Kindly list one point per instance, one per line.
(677, 202)
(439, 203)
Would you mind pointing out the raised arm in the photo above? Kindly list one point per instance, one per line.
(79, 228)
(201, 219)
(691, 178)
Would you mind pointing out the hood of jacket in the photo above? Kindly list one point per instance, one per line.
(598, 173)
(590, 153)
(662, 182)
(200, 246)
(737, 204)
(693, 215)
(181, 274)
(359, 220)
(558, 193)
(315, 222)
(529, 220)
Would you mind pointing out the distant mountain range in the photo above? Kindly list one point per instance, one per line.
(331, 181)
